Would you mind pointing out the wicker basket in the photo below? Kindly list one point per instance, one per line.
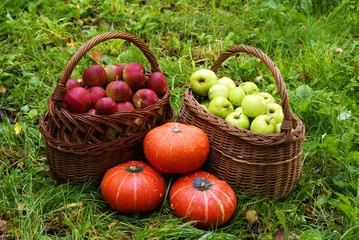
(82, 147)
(256, 164)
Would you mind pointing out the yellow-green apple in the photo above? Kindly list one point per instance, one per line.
(220, 107)
(124, 106)
(228, 82)
(113, 73)
(254, 105)
(202, 80)
(277, 127)
(144, 97)
(96, 93)
(94, 75)
(275, 110)
(118, 90)
(238, 119)
(134, 75)
(263, 124)
(267, 96)
(105, 106)
(77, 100)
(249, 87)
(157, 82)
(218, 90)
(236, 96)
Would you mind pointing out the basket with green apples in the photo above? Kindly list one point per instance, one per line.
(256, 140)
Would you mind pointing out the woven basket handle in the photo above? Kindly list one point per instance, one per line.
(287, 122)
(155, 67)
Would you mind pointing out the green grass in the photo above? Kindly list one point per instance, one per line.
(302, 37)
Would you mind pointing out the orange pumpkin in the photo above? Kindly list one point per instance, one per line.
(133, 187)
(176, 147)
(204, 198)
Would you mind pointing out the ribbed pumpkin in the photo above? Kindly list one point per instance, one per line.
(176, 147)
(204, 198)
(133, 187)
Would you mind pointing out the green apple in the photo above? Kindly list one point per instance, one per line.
(238, 119)
(267, 96)
(204, 104)
(202, 80)
(204, 107)
(263, 124)
(275, 110)
(249, 87)
(228, 82)
(277, 127)
(254, 105)
(238, 109)
(220, 107)
(236, 96)
(218, 90)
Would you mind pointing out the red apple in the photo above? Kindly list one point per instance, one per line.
(77, 100)
(71, 83)
(130, 93)
(118, 90)
(105, 106)
(91, 111)
(158, 83)
(134, 75)
(96, 93)
(121, 66)
(113, 73)
(124, 106)
(144, 97)
(94, 75)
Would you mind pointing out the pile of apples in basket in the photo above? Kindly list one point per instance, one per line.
(108, 89)
(174, 152)
(244, 106)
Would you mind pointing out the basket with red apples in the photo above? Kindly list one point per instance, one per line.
(99, 119)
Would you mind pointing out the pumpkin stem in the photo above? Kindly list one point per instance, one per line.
(134, 169)
(176, 129)
(201, 184)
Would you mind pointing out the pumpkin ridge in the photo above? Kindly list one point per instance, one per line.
(206, 210)
(189, 207)
(183, 140)
(226, 195)
(221, 207)
(119, 188)
(180, 189)
(112, 173)
(135, 177)
(145, 181)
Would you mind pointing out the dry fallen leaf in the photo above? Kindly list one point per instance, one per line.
(70, 42)
(3, 224)
(281, 235)
(2, 89)
(252, 215)
(96, 55)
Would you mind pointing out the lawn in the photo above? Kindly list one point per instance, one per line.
(315, 44)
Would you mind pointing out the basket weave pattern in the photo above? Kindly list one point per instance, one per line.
(258, 164)
(82, 147)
